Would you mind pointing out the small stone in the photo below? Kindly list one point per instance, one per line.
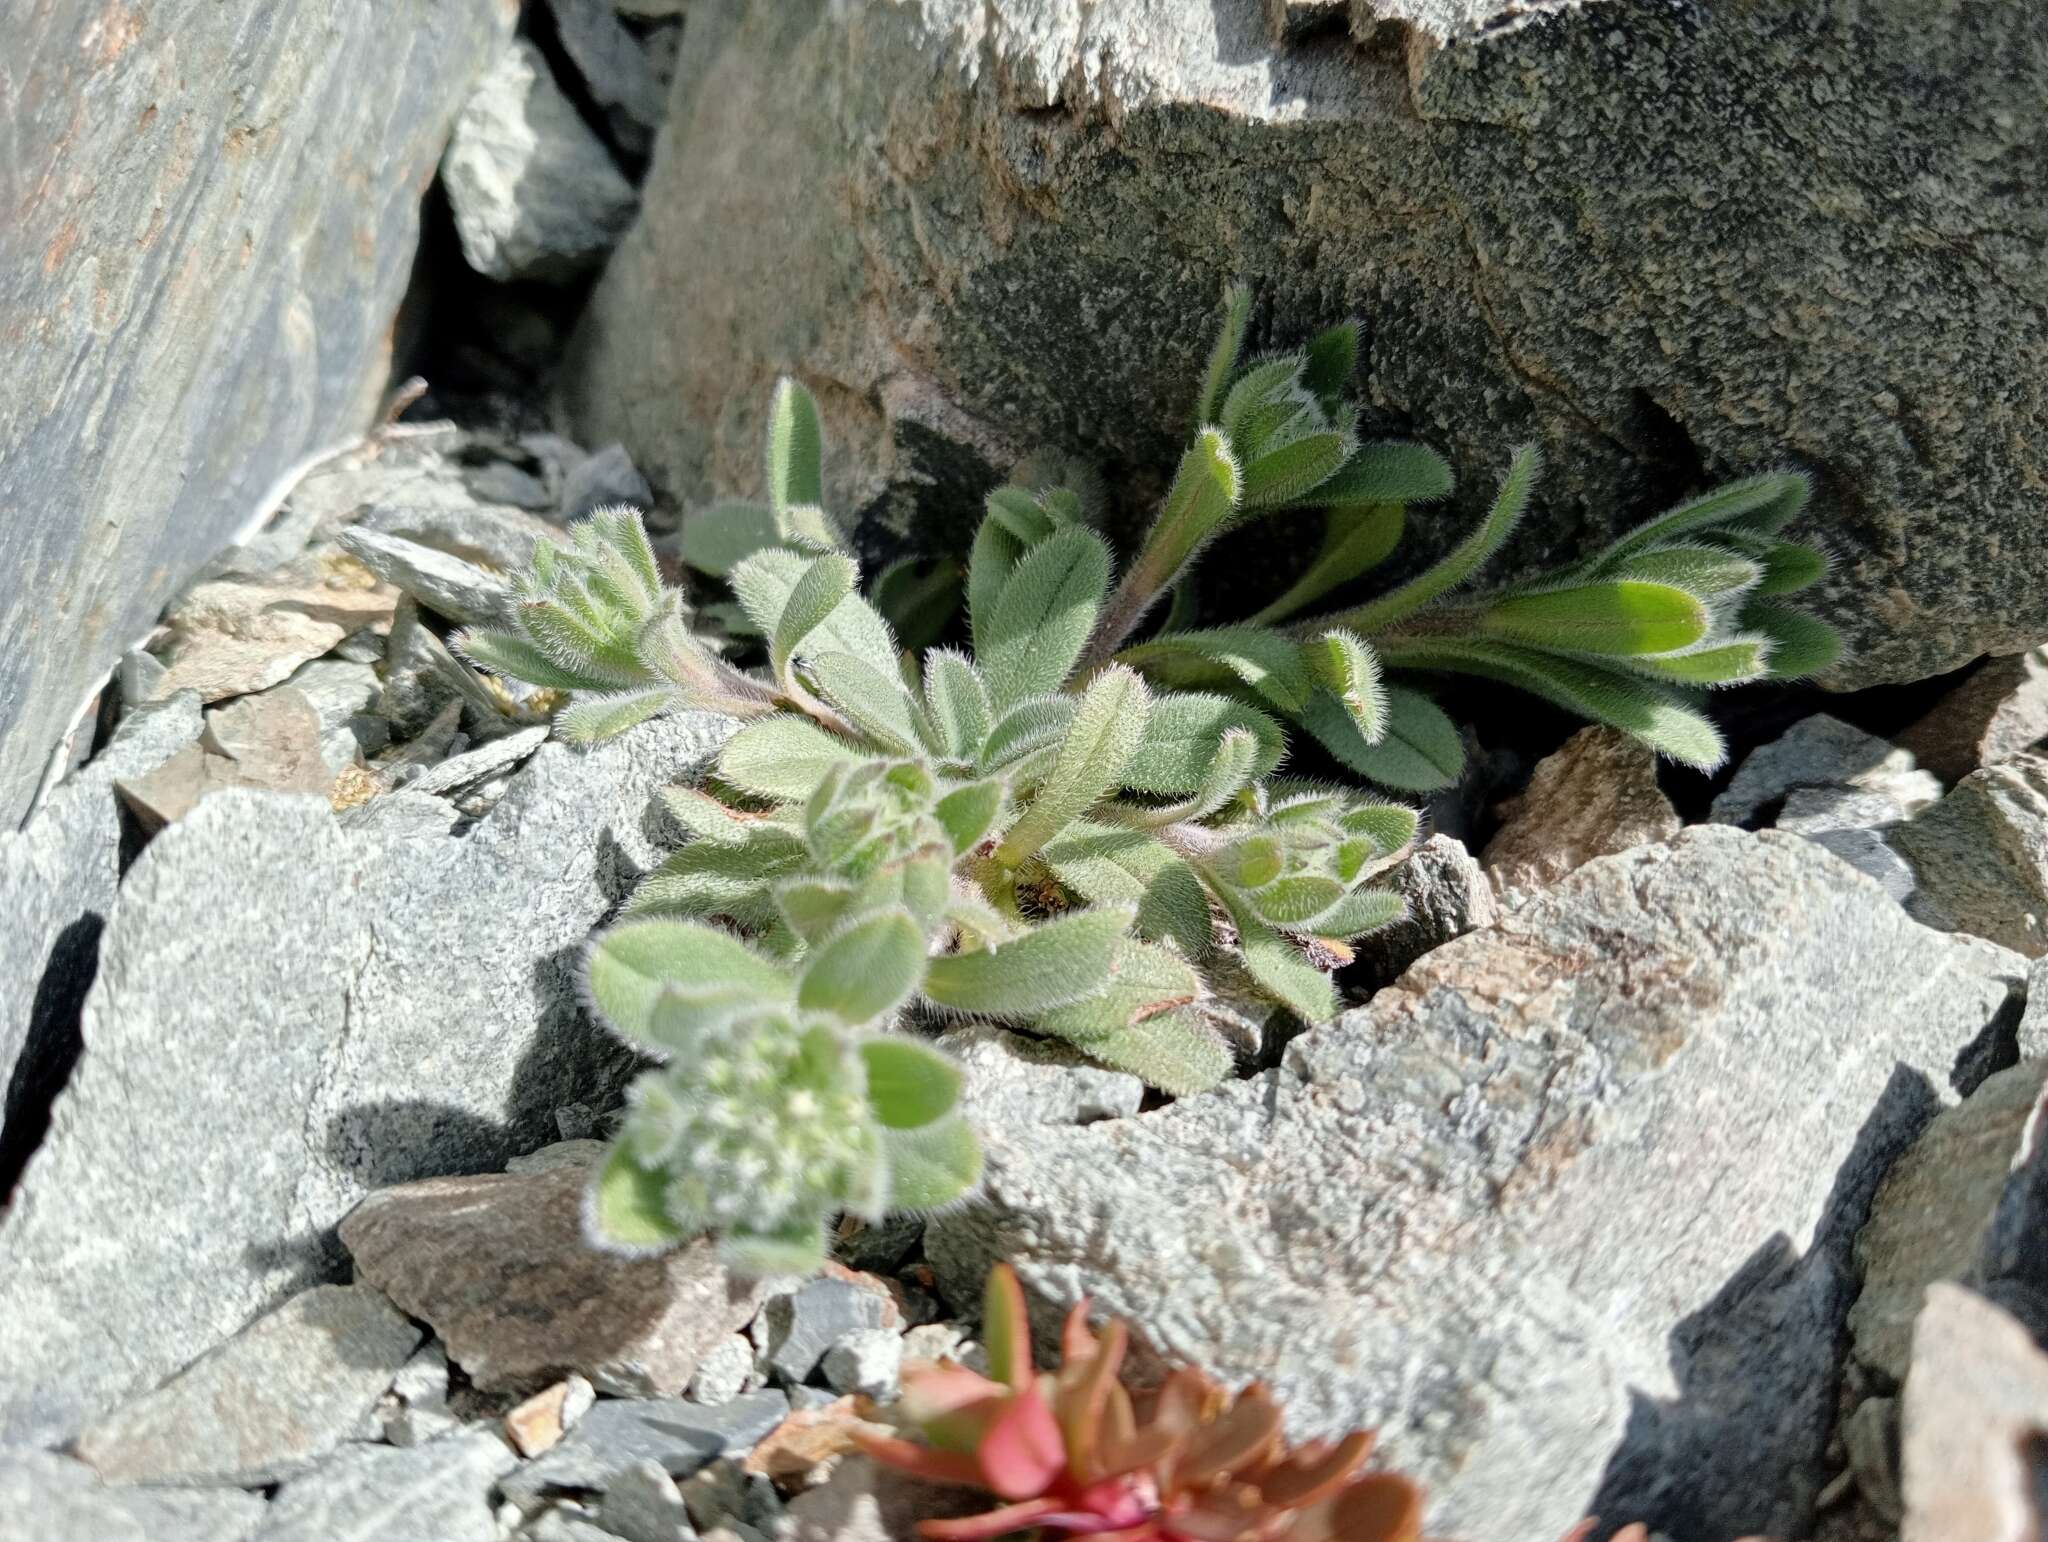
(415, 1408)
(1448, 895)
(437, 1492)
(502, 538)
(1971, 1416)
(1015, 1079)
(679, 1436)
(599, 481)
(1932, 1215)
(726, 1494)
(287, 1389)
(538, 1423)
(726, 1371)
(52, 1498)
(1596, 795)
(1870, 854)
(1981, 856)
(499, 1266)
(1824, 752)
(933, 1341)
(464, 772)
(501, 482)
(534, 192)
(806, 1446)
(269, 741)
(342, 695)
(866, 1362)
(643, 1504)
(137, 676)
(863, 1501)
(1999, 712)
(228, 638)
(445, 585)
(793, 1331)
(580, 1154)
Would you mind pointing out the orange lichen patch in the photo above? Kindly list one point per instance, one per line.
(60, 247)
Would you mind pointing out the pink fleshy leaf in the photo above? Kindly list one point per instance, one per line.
(1022, 1452)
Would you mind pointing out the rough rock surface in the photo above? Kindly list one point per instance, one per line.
(1596, 795)
(535, 193)
(1999, 712)
(1935, 1210)
(55, 1499)
(1670, 241)
(438, 1492)
(1981, 856)
(1014, 1079)
(1826, 755)
(1567, 1212)
(679, 1435)
(357, 1012)
(278, 1395)
(208, 203)
(1447, 896)
(1975, 1404)
(499, 1267)
(57, 880)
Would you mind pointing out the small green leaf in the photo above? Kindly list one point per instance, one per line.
(1027, 727)
(990, 562)
(579, 647)
(1760, 505)
(1223, 354)
(1716, 661)
(1295, 901)
(625, 1210)
(1346, 667)
(910, 1084)
(1147, 980)
(873, 702)
(1266, 661)
(931, 1166)
(718, 878)
(813, 907)
(503, 653)
(1182, 737)
(866, 971)
(797, 1249)
(1789, 567)
(1049, 966)
(782, 757)
(1044, 615)
(1280, 969)
(1714, 573)
(820, 587)
(765, 583)
(1291, 472)
(1200, 503)
(1649, 713)
(796, 447)
(1332, 361)
(1611, 616)
(1802, 645)
(1461, 562)
(1109, 865)
(1174, 1051)
(968, 813)
(700, 976)
(956, 701)
(1108, 726)
(1019, 512)
(1419, 752)
(1389, 826)
(1228, 773)
(1387, 471)
(1359, 912)
(1356, 538)
(719, 538)
(594, 718)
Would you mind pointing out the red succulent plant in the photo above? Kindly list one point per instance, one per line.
(1073, 1453)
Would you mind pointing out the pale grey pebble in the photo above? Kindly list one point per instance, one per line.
(598, 481)
(867, 1362)
(415, 1409)
(793, 1331)
(727, 1370)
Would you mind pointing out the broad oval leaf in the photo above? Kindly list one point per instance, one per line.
(1387, 471)
(968, 813)
(1801, 645)
(957, 702)
(783, 757)
(764, 583)
(719, 538)
(595, 718)
(1181, 739)
(1266, 661)
(1049, 966)
(1419, 752)
(1043, 616)
(874, 702)
(910, 1084)
(865, 972)
(796, 447)
(1617, 616)
(1027, 727)
(931, 1166)
(1108, 727)
(699, 976)
(624, 1208)
(1175, 1051)
(824, 582)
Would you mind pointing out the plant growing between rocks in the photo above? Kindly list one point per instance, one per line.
(1065, 826)
(1069, 1454)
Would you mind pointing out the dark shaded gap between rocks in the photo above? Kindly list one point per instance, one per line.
(55, 1040)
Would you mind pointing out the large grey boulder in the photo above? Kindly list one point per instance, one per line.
(1567, 1211)
(287, 1015)
(1670, 241)
(218, 207)
(57, 880)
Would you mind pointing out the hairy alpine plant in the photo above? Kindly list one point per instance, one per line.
(1073, 1452)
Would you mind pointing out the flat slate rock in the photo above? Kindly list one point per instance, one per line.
(1566, 1213)
(437, 1492)
(500, 1267)
(678, 1435)
(55, 1499)
(267, 1404)
(355, 1012)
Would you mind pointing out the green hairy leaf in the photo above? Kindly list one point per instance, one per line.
(866, 971)
(1049, 966)
(1043, 616)
(1174, 1051)
(811, 599)
(1108, 726)
(796, 448)
(719, 538)
(781, 757)
(1237, 316)
(1388, 472)
(703, 977)
(910, 1084)
(931, 1167)
(1628, 616)
(1357, 538)
(1182, 737)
